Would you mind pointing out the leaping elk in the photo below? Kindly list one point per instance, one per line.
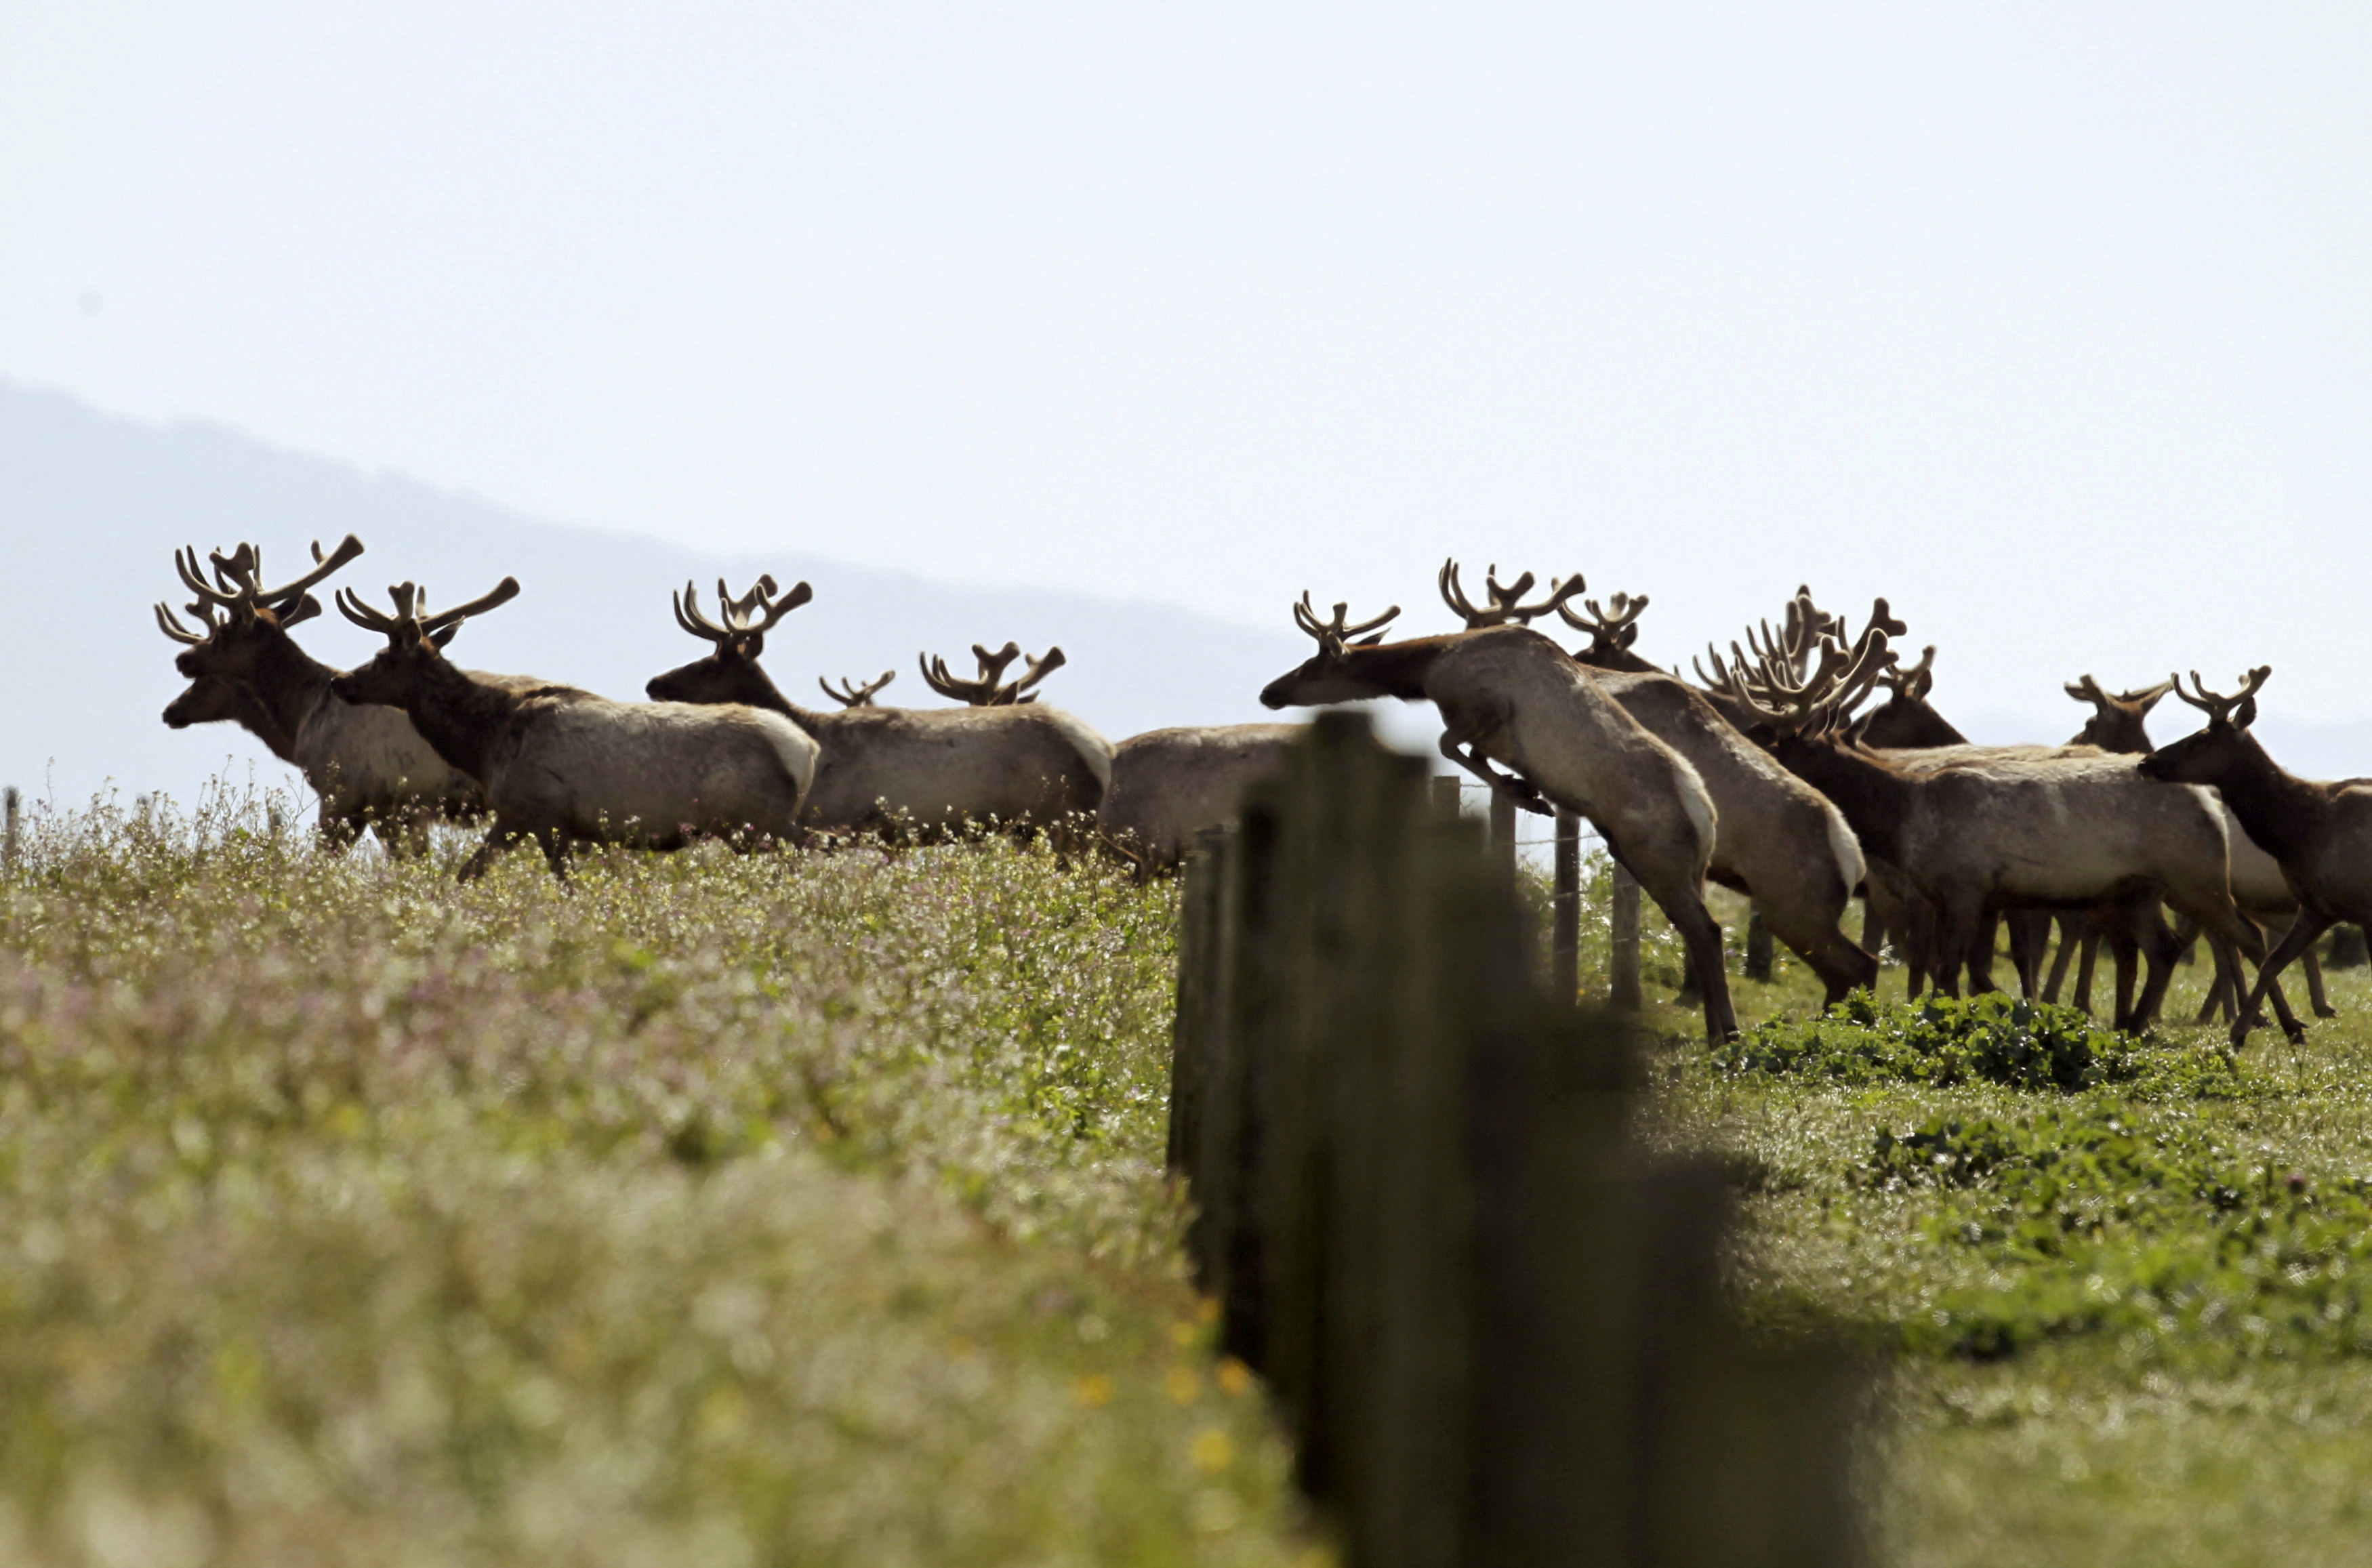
(1509, 695)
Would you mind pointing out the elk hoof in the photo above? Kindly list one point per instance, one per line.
(2296, 1035)
(2240, 1034)
(2326, 1011)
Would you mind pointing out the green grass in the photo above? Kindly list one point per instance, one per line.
(2122, 1283)
(787, 1209)
(806, 1208)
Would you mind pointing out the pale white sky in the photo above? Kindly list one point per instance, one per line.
(2052, 321)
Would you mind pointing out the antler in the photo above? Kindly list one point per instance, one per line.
(739, 613)
(1916, 682)
(981, 692)
(2087, 690)
(1839, 681)
(410, 618)
(1505, 598)
(1608, 633)
(1038, 670)
(1333, 634)
(2220, 710)
(171, 626)
(849, 694)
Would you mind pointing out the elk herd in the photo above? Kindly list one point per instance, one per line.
(1765, 773)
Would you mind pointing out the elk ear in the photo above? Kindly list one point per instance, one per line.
(1630, 635)
(1368, 642)
(2245, 714)
(443, 635)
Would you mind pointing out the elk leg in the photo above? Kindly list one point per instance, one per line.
(2315, 995)
(2219, 995)
(1461, 751)
(2030, 939)
(2154, 942)
(1682, 902)
(2301, 935)
(1959, 924)
(2068, 938)
(1830, 954)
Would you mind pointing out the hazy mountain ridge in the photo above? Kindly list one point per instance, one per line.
(92, 507)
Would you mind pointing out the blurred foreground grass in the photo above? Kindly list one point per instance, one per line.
(794, 1207)
(2130, 1315)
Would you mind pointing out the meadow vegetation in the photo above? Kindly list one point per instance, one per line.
(806, 1208)
(787, 1208)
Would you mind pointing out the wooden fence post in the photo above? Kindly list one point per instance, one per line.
(1623, 958)
(1503, 831)
(8, 843)
(1758, 949)
(1446, 787)
(1565, 965)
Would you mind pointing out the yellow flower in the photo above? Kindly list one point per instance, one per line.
(1209, 1308)
(1095, 1389)
(1183, 1385)
(1234, 1376)
(1184, 1334)
(1213, 1452)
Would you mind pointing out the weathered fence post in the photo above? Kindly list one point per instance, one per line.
(1623, 944)
(1564, 963)
(1503, 831)
(1758, 949)
(1446, 787)
(8, 843)
(1496, 1335)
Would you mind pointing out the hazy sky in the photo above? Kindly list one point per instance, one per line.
(2052, 321)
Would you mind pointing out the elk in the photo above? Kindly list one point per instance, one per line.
(1509, 695)
(565, 768)
(2320, 833)
(1776, 838)
(368, 765)
(1969, 837)
(1167, 784)
(1016, 762)
(985, 690)
(1906, 719)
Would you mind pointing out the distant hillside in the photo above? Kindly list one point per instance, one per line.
(91, 509)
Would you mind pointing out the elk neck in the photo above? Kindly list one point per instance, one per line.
(464, 720)
(288, 682)
(2279, 809)
(1397, 670)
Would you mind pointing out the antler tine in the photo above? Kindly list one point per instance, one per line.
(351, 605)
(2219, 708)
(936, 676)
(1038, 670)
(240, 569)
(1375, 624)
(185, 563)
(502, 593)
(687, 615)
(1903, 678)
(1306, 618)
(992, 665)
(849, 694)
(168, 624)
(1870, 660)
(1453, 594)
(2145, 695)
(2084, 688)
(761, 596)
(287, 593)
(1504, 599)
(1723, 679)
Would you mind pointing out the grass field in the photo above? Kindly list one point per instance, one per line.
(787, 1209)
(806, 1209)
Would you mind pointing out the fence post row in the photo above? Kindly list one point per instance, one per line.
(1495, 1331)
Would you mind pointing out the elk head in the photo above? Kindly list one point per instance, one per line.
(730, 673)
(1610, 632)
(416, 642)
(849, 694)
(242, 618)
(2225, 748)
(2116, 722)
(989, 689)
(1327, 678)
(1906, 718)
(1505, 605)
